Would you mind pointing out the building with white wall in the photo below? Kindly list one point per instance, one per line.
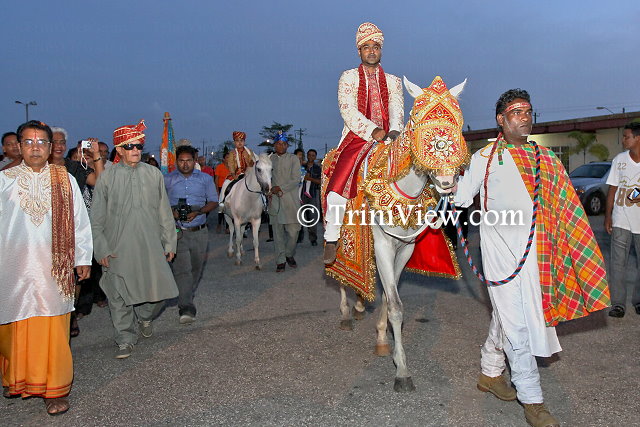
(608, 130)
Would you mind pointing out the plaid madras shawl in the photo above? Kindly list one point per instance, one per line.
(572, 274)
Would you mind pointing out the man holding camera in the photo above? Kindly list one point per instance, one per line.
(192, 195)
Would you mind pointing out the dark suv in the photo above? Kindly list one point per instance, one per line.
(590, 182)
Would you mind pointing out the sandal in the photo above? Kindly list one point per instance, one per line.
(56, 406)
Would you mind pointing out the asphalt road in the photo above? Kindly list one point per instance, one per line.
(266, 351)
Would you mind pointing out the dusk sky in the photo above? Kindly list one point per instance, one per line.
(222, 66)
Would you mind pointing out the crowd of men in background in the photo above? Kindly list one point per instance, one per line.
(135, 238)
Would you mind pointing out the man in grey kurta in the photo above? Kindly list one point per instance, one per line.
(134, 239)
(285, 203)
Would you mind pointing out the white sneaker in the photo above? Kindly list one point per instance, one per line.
(187, 319)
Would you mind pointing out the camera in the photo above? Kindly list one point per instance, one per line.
(85, 144)
(183, 209)
(635, 193)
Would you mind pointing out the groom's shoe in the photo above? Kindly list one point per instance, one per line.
(330, 252)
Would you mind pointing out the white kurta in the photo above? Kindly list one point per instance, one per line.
(502, 248)
(27, 288)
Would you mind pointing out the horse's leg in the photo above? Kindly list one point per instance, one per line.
(358, 309)
(255, 227)
(238, 233)
(387, 255)
(229, 221)
(403, 380)
(346, 322)
(242, 228)
(382, 343)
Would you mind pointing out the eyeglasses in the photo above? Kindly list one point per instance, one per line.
(130, 147)
(35, 142)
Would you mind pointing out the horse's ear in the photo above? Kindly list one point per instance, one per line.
(413, 89)
(457, 90)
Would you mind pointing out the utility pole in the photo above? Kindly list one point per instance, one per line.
(535, 117)
(300, 132)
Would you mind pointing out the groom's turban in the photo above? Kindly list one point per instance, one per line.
(368, 32)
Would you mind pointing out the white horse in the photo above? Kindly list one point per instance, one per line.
(393, 248)
(244, 205)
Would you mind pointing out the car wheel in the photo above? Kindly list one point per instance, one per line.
(594, 204)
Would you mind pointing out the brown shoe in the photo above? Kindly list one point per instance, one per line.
(497, 386)
(56, 406)
(329, 252)
(538, 416)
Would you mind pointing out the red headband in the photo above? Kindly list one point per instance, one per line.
(511, 107)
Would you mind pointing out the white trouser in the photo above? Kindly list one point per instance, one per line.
(524, 369)
(336, 205)
(225, 184)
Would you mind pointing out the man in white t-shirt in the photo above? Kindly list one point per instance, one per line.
(622, 218)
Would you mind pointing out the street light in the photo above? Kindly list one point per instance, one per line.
(26, 106)
(605, 108)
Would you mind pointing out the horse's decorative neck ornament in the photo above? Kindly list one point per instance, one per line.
(434, 130)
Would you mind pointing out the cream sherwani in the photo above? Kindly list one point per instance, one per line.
(363, 127)
(354, 120)
(517, 323)
(27, 288)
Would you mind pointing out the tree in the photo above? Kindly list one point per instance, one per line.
(587, 142)
(270, 132)
(221, 150)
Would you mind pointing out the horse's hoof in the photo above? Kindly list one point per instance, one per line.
(238, 262)
(402, 385)
(258, 267)
(358, 315)
(346, 325)
(229, 254)
(382, 350)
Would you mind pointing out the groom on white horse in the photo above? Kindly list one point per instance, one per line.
(372, 106)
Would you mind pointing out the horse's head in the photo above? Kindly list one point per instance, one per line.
(434, 131)
(263, 169)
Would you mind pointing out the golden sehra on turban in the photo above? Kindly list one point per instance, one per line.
(368, 32)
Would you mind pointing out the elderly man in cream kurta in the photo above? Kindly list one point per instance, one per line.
(284, 204)
(134, 238)
(371, 104)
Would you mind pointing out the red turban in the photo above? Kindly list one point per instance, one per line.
(129, 134)
(239, 135)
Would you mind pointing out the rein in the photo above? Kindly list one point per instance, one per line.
(463, 241)
(247, 185)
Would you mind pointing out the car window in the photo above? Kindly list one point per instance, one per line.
(590, 171)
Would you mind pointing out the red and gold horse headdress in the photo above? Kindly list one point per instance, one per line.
(435, 128)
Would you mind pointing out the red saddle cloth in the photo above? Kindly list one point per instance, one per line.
(433, 255)
(355, 264)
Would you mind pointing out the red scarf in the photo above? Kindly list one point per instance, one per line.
(343, 179)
